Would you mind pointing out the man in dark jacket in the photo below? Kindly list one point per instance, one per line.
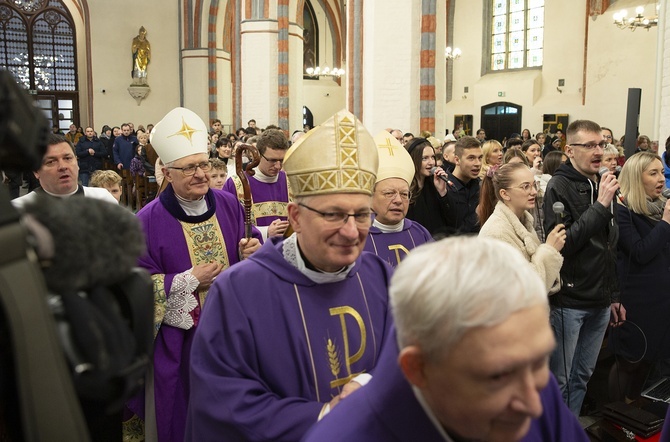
(90, 152)
(463, 186)
(124, 147)
(580, 312)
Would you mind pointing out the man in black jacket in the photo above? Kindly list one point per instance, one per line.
(580, 312)
(463, 186)
(90, 152)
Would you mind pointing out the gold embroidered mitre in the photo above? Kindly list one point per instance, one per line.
(179, 134)
(339, 156)
(394, 160)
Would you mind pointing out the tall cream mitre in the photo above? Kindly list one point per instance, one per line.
(339, 156)
(394, 160)
(179, 134)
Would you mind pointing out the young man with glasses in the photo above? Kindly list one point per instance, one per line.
(580, 311)
(270, 193)
(392, 236)
(192, 235)
(288, 332)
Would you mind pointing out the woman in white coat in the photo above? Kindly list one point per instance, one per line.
(506, 198)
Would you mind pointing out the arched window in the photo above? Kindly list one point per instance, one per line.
(311, 39)
(516, 34)
(38, 46)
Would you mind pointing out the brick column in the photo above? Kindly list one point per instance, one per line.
(428, 49)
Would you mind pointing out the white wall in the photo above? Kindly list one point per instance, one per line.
(323, 96)
(617, 60)
(391, 63)
(113, 27)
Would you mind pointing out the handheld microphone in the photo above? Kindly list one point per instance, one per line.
(442, 177)
(617, 170)
(93, 242)
(603, 170)
(666, 193)
(559, 209)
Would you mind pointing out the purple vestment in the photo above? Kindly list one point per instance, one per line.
(394, 246)
(268, 200)
(168, 254)
(387, 410)
(273, 347)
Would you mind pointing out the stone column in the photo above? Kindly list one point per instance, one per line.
(662, 100)
(391, 90)
(259, 72)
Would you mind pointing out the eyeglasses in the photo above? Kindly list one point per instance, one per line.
(272, 161)
(609, 137)
(205, 166)
(527, 187)
(603, 144)
(391, 194)
(362, 219)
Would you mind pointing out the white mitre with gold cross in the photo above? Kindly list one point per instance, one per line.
(179, 134)
(394, 160)
(338, 156)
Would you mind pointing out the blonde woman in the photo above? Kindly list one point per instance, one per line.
(493, 156)
(514, 188)
(643, 340)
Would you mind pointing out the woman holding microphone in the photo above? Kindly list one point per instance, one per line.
(514, 188)
(642, 343)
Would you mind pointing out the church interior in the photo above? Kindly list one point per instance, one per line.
(411, 65)
(526, 64)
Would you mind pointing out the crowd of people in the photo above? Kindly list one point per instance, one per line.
(560, 239)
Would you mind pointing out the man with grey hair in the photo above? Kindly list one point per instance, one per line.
(471, 363)
(397, 134)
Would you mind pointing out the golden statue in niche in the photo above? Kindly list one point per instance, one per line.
(141, 49)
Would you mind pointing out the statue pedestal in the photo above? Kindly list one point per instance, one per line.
(139, 92)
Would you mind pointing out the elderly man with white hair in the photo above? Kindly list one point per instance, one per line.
(391, 235)
(471, 360)
(193, 234)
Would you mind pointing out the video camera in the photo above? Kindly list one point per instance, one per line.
(71, 352)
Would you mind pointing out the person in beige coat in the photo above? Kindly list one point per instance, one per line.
(507, 195)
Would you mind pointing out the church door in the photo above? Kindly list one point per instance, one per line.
(500, 120)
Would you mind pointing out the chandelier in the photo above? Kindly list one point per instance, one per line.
(450, 54)
(621, 20)
(324, 72)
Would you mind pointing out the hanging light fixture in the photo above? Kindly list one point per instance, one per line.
(324, 72)
(622, 21)
(450, 54)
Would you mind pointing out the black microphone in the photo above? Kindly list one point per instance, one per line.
(442, 177)
(603, 170)
(94, 242)
(617, 170)
(559, 209)
(666, 193)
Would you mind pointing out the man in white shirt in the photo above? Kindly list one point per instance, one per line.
(58, 174)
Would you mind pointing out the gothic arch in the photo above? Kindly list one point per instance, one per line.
(60, 21)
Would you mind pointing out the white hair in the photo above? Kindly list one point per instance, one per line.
(611, 150)
(480, 283)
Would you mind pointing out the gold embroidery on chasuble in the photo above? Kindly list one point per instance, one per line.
(397, 248)
(266, 208)
(205, 244)
(337, 348)
(160, 300)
